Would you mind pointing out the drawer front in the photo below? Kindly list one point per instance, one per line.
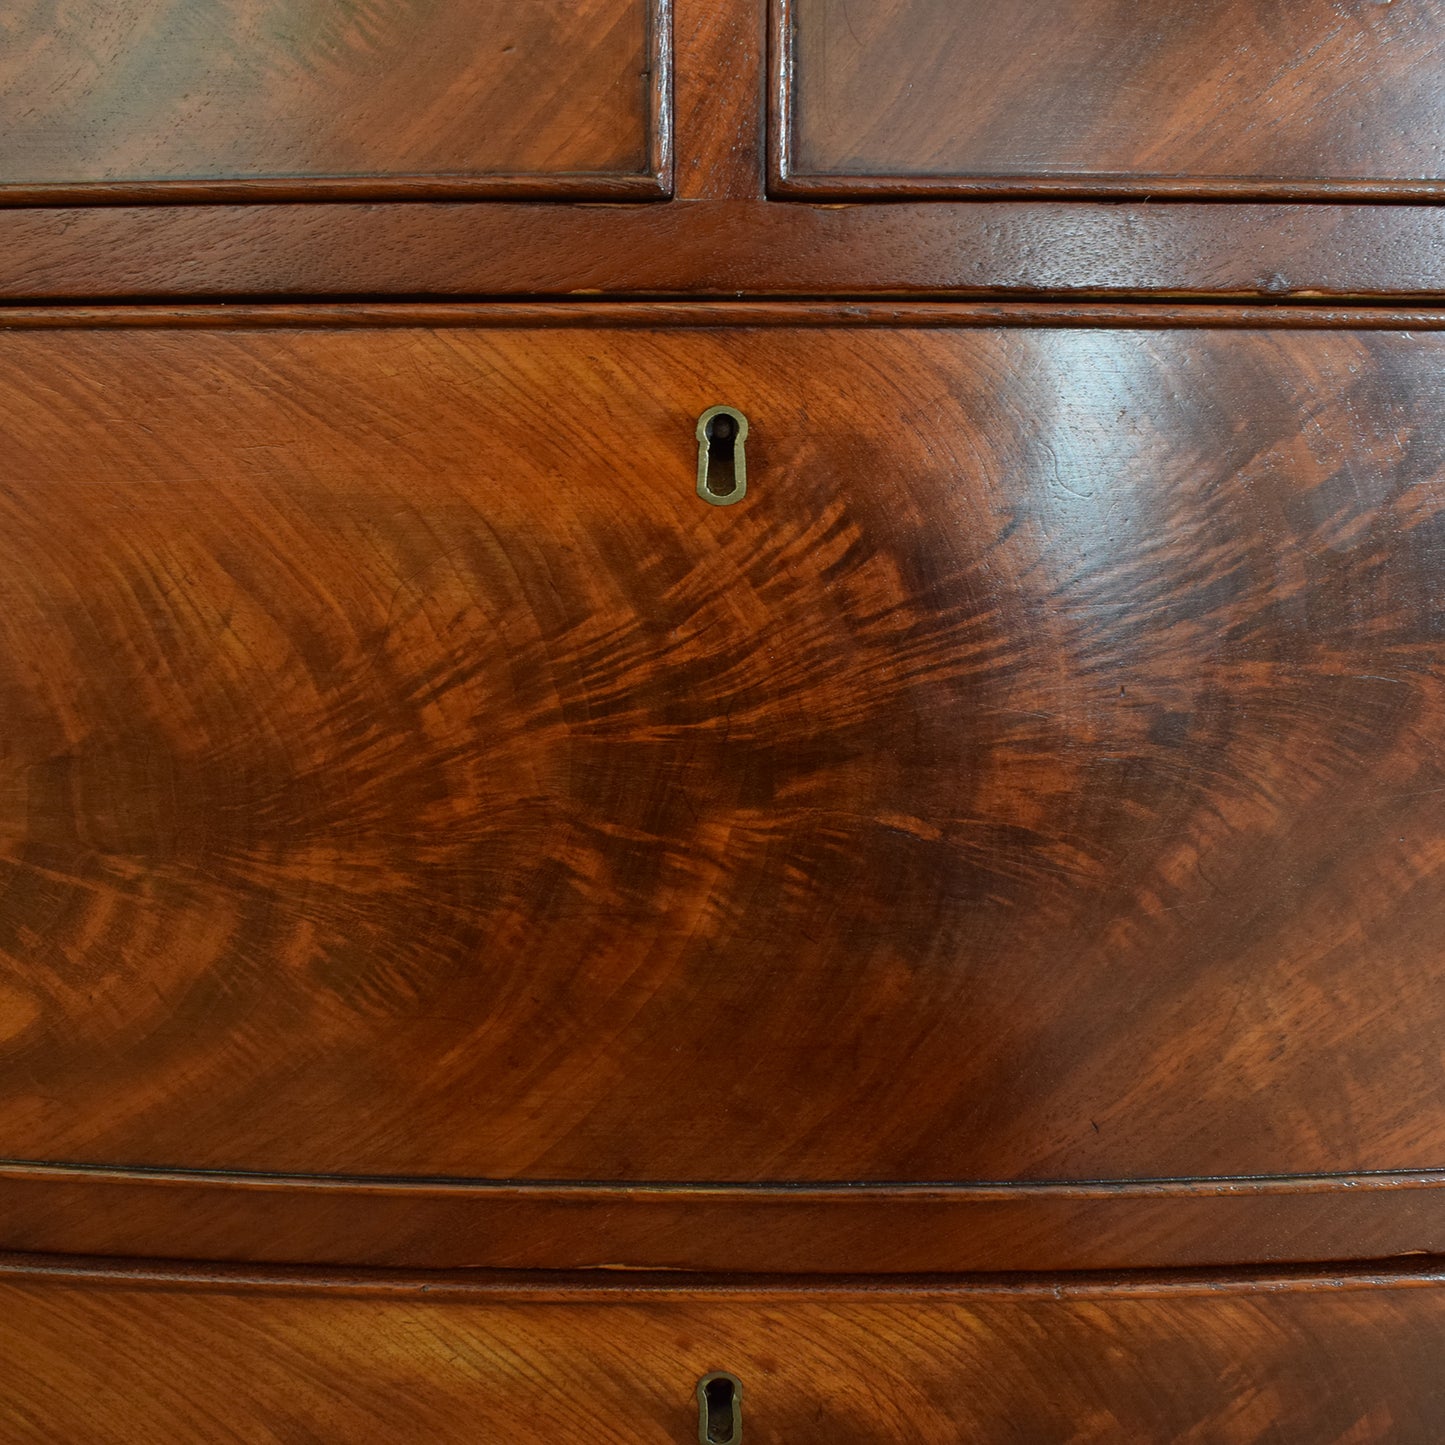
(1218, 97)
(209, 99)
(1038, 776)
(96, 1357)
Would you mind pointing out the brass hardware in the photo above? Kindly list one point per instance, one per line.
(722, 464)
(720, 1404)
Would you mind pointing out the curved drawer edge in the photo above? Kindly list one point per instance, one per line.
(138, 1351)
(829, 1229)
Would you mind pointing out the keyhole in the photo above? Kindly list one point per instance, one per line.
(720, 1409)
(722, 468)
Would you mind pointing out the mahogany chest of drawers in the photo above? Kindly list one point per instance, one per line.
(722, 721)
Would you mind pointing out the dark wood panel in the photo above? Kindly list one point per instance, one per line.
(213, 99)
(1037, 777)
(1106, 97)
(725, 248)
(96, 1356)
(875, 1229)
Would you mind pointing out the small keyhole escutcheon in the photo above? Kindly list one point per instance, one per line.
(722, 462)
(720, 1409)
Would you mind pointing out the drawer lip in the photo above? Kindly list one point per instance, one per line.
(793, 1229)
(580, 1286)
(137, 1349)
(788, 184)
(1207, 1186)
(680, 315)
(652, 184)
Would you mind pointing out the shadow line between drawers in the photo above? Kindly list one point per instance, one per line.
(832, 1189)
(821, 1229)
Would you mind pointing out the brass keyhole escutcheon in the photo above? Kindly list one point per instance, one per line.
(720, 1409)
(722, 460)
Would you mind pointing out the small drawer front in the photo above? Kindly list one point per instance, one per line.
(1038, 775)
(1215, 97)
(103, 100)
(408, 1361)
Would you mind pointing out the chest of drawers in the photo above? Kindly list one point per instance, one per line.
(527, 914)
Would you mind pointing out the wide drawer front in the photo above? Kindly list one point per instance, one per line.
(1036, 776)
(110, 1355)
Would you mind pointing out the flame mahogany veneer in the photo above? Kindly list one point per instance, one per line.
(487, 939)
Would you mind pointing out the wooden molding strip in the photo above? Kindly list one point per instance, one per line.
(650, 315)
(828, 1229)
(727, 249)
(792, 185)
(651, 185)
(517, 1287)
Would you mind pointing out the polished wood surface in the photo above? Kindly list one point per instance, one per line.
(798, 1230)
(710, 315)
(1214, 97)
(515, 938)
(102, 100)
(676, 315)
(109, 1356)
(726, 248)
(1027, 782)
(720, 109)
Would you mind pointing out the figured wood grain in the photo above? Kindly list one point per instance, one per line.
(730, 248)
(174, 100)
(98, 1356)
(1036, 778)
(1215, 98)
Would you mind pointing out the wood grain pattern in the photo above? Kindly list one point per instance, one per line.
(175, 100)
(1032, 781)
(728, 248)
(1226, 98)
(709, 315)
(798, 1230)
(720, 70)
(96, 1356)
(608, 939)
